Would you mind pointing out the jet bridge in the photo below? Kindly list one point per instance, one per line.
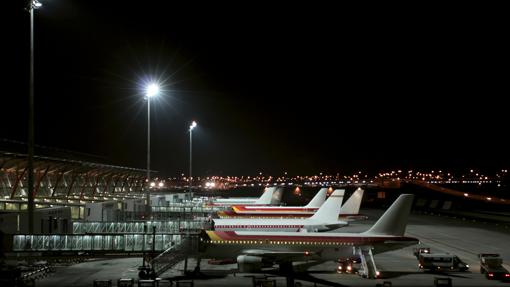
(170, 227)
(94, 243)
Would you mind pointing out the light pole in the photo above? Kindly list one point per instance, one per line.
(32, 5)
(191, 127)
(152, 90)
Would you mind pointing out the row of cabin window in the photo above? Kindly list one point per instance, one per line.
(280, 242)
(258, 226)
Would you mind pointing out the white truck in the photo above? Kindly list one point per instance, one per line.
(441, 262)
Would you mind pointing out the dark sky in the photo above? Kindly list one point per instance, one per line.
(303, 89)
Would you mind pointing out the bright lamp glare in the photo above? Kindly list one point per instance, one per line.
(152, 90)
(193, 125)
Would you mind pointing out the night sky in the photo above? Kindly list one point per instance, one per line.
(303, 89)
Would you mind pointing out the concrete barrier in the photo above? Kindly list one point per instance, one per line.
(442, 282)
(102, 283)
(125, 282)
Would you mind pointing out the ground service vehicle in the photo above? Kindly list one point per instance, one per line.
(349, 265)
(441, 262)
(491, 264)
(422, 250)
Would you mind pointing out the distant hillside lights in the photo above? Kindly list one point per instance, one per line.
(438, 176)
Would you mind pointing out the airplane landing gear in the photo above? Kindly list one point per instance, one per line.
(146, 273)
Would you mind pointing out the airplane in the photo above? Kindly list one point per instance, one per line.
(256, 250)
(239, 211)
(271, 195)
(326, 218)
(349, 211)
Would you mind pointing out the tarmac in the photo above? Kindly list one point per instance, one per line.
(456, 235)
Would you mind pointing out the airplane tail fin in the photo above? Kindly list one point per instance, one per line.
(318, 199)
(352, 205)
(277, 196)
(394, 220)
(331, 208)
(267, 196)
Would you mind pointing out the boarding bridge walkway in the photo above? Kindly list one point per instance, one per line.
(165, 227)
(94, 243)
(187, 208)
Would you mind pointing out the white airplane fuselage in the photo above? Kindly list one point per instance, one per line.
(235, 201)
(316, 246)
(275, 224)
(244, 211)
(325, 218)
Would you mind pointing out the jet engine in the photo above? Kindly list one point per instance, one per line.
(249, 264)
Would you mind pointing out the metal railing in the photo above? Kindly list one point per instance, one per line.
(175, 254)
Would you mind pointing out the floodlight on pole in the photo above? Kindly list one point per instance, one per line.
(191, 127)
(151, 91)
(36, 4)
(32, 5)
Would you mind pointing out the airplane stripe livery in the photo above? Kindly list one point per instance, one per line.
(241, 209)
(238, 237)
(271, 195)
(349, 210)
(326, 218)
